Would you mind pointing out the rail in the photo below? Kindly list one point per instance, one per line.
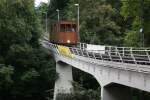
(138, 56)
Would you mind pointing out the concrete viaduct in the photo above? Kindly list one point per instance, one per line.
(115, 68)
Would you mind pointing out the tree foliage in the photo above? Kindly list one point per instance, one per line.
(136, 14)
(97, 24)
(80, 93)
(42, 12)
(27, 71)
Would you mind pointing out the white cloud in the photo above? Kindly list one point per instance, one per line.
(37, 2)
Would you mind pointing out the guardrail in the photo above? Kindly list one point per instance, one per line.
(119, 54)
(115, 54)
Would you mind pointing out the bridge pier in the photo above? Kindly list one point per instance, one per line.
(116, 92)
(63, 83)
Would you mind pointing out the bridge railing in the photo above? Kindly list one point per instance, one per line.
(117, 54)
(111, 53)
(125, 54)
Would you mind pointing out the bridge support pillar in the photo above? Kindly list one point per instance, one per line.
(116, 92)
(64, 82)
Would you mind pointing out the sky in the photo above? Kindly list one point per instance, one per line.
(37, 2)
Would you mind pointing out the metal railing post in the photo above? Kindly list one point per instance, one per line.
(109, 53)
(132, 55)
(147, 55)
(93, 55)
(101, 56)
(119, 55)
(87, 54)
(82, 52)
(123, 51)
(77, 52)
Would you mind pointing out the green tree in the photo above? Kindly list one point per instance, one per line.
(42, 12)
(97, 24)
(131, 39)
(80, 93)
(6, 80)
(136, 15)
(32, 72)
(56, 4)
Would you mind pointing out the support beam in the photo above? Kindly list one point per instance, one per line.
(63, 83)
(116, 92)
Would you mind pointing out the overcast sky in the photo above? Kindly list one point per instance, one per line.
(37, 2)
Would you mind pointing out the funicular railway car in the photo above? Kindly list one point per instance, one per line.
(64, 33)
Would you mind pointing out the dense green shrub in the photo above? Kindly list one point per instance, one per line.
(80, 95)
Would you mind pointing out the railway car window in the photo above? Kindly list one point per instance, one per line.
(62, 27)
(51, 29)
(74, 28)
(58, 27)
(68, 28)
(54, 28)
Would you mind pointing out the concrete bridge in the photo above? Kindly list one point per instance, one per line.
(115, 68)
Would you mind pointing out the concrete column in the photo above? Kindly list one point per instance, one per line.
(64, 82)
(116, 92)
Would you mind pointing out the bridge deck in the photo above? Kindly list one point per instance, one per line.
(137, 58)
